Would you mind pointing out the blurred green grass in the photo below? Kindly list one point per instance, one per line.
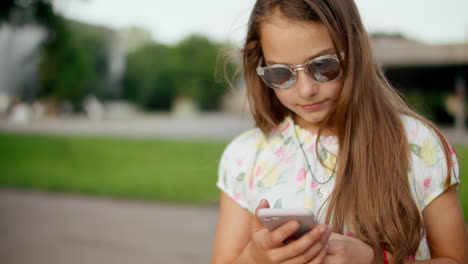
(147, 169)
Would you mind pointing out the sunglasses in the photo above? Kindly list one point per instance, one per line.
(322, 69)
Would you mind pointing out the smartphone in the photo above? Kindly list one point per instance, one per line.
(273, 218)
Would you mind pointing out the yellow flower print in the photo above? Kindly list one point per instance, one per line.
(428, 153)
(307, 139)
(298, 130)
(275, 141)
(262, 141)
(271, 178)
(429, 199)
(309, 203)
(330, 162)
(267, 175)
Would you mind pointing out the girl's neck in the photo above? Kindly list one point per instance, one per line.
(313, 127)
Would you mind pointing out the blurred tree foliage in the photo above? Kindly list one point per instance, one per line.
(430, 104)
(21, 12)
(157, 74)
(200, 72)
(74, 57)
(148, 80)
(74, 62)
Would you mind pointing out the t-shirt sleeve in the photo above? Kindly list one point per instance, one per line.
(428, 171)
(236, 165)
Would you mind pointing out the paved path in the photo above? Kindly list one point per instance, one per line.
(206, 126)
(40, 228)
(55, 229)
(219, 126)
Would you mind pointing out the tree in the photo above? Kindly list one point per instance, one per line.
(201, 66)
(74, 62)
(23, 12)
(150, 77)
(74, 56)
(156, 74)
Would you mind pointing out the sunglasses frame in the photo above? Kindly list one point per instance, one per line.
(294, 68)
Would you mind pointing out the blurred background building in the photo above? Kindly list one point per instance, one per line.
(52, 66)
(431, 77)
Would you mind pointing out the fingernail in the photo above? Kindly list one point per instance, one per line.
(293, 225)
(323, 229)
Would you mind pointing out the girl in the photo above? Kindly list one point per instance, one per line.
(333, 136)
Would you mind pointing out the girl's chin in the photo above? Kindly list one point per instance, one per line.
(309, 120)
(314, 117)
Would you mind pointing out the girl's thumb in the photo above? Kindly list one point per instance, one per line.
(256, 223)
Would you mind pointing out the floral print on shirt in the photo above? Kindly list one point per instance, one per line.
(256, 166)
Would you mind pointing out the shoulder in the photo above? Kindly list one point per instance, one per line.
(240, 154)
(254, 140)
(417, 129)
(428, 170)
(245, 143)
(424, 142)
(236, 164)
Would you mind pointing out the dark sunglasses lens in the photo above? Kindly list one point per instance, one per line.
(279, 77)
(324, 70)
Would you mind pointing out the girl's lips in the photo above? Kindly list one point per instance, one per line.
(312, 107)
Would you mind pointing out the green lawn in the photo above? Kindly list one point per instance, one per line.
(176, 171)
(165, 170)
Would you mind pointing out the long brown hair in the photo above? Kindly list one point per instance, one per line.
(371, 195)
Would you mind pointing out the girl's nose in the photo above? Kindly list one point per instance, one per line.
(305, 86)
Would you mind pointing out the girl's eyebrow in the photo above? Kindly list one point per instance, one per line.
(327, 51)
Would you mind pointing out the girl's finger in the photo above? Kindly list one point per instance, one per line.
(319, 259)
(279, 235)
(334, 247)
(329, 259)
(306, 247)
(275, 238)
(257, 225)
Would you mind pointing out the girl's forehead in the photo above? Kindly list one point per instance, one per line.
(293, 42)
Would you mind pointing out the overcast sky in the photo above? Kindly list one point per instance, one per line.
(430, 21)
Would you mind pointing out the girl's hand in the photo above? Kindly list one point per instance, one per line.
(269, 247)
(349, 250)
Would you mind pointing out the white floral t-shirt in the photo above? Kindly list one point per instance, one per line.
(256, 166)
